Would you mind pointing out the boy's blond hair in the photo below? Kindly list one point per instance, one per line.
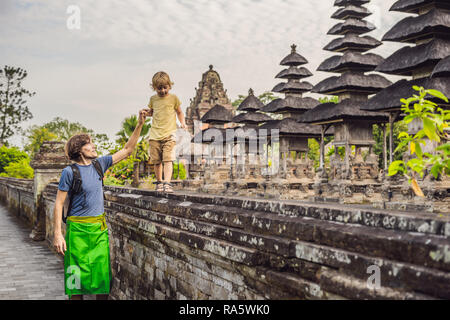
(161, 79)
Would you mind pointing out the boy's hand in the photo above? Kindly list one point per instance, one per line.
(183, 125)
(143, 114)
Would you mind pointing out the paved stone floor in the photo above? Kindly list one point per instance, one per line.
(28, 269)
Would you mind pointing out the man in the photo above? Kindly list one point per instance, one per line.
(86, 245)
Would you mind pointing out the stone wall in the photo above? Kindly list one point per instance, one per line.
(18, 195)
(205, 246)
(191, 246)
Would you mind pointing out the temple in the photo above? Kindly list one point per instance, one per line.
(424, 61)
(295, 173)
(348, 170)
(209, 93)
(353, 176)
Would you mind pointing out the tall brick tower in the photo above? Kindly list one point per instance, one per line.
(209, 93)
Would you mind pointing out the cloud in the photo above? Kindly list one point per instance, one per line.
(98, 75)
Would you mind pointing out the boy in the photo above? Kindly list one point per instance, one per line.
(164, 108)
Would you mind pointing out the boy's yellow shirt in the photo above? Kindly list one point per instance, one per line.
(164, 121)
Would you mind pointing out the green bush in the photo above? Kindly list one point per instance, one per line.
(21, 170)
(182, 174)
(120, 173)
(110, 180)
(435, 122)
(10, 155)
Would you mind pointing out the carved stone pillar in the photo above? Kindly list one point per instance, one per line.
(47, 164)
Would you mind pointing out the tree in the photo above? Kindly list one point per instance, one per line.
(435, 123)
(10, 155)
(141, 153)
(61, 130)
(333, 99)
(37, 136)
(13, 109)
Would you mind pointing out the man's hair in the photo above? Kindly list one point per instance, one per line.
(74, 144)
(161, 79)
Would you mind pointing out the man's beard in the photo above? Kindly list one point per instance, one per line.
(90, 158)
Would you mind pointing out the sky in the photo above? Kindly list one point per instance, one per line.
(91, 61)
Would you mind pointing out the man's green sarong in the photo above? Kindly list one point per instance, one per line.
(86, 262)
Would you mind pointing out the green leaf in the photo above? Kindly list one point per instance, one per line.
(437, 94)
(435, 170)
(396, 166)
(418, 149)
(403, 134)
(430, 129)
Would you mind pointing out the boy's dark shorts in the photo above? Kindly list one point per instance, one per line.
(162, 150)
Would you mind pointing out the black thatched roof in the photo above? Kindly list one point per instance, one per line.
(341, 3)
(251, 118)
(278, 87)
(293, 87)
(351, 11)
(353, 42)
(218, 114)
(293, 59)
(351, 61)
(389, 98)
(408, 59)
(442, 69)
(352, 82)
(210, 135)
(290, 127)
(290, 104)
(414, 6)
(296, 87)
(351, 25)
(251, 103)
(294, 73)
(348, 109)
(411, 29)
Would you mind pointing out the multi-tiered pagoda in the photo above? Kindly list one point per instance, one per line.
(425, 61)
(248, 136)
(293, 135)
(428, 36)
(353, 127)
